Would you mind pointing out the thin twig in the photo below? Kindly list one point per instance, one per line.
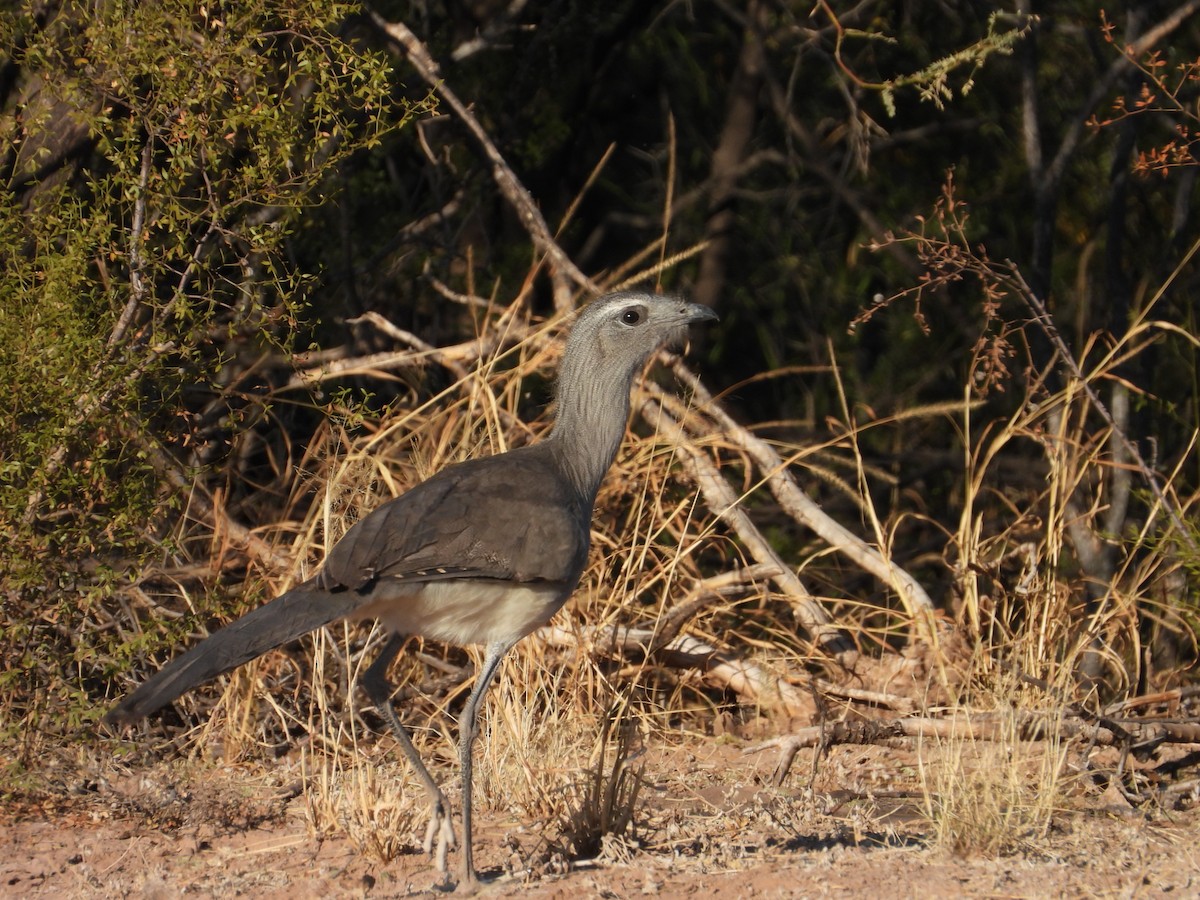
(726, 505)
(137, 284)
(456, 357)
(515, 192)
(394, 331)
(800, 506)
(1044, 320)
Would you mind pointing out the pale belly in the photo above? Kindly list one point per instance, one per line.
(466, 612)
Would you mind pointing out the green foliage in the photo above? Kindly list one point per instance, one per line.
(932, 82)
(160, 158)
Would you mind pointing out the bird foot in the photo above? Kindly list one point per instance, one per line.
(441, 827)
(468, 884)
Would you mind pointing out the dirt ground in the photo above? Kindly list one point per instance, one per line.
(709, 824)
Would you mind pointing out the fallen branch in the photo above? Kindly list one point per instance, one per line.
(722, 669)
(407, 337)
(898, 702)
(726, 504)
(1140, 736)
(456, 358)
(802, 508)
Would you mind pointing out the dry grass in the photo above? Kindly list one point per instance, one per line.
(554, 751)
(352, 786)
(996, 795)
(368, 800)
(563, 726)
(1054, 595)
(603, 804)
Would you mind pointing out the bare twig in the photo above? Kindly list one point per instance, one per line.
(496, 27)
(749, 681)
(725, 503)
(1046, 176)
(410, 232)
(897, 702)
(801, 507)
(456, 296)
(1169, 698)
(456, 358)
(515, 192)
(1046, 323)
(137, 284)
(407, 337)
(816, 160)
(1120, 481)
(87, 404)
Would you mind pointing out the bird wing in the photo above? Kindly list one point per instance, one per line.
(509, 517)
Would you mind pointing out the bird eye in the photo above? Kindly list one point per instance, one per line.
(633, 316)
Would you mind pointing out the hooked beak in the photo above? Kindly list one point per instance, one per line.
(697, 313)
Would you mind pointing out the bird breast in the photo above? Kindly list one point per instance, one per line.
(465, 611)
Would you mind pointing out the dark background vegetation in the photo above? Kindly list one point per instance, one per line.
(196, 192)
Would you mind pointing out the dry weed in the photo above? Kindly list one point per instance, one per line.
(1020, 620)
(996, 795)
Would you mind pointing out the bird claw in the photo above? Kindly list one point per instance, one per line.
(441, 826)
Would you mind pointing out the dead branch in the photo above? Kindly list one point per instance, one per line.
(452, 295)
(725, 504)
(1120, 477)
(407, 337)
(1048, 177)
(510, 186)
(720, 668)
(801, 507)
(85, 407)
(496, 27)
(1171, 699)
(897, 702)
(1138, 735)
(457, 358)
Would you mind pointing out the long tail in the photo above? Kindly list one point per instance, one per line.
(274, 624)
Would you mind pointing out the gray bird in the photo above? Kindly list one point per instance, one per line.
(484, 552)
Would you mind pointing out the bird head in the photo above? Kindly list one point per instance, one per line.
(609, 344)
(620, 331)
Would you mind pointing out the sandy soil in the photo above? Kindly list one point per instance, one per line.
(709, 824)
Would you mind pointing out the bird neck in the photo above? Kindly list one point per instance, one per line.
(593, 408)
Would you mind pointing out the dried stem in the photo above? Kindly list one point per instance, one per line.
(1046, 323)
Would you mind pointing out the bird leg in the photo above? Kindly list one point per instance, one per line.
(468, 730)
(374, 682)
